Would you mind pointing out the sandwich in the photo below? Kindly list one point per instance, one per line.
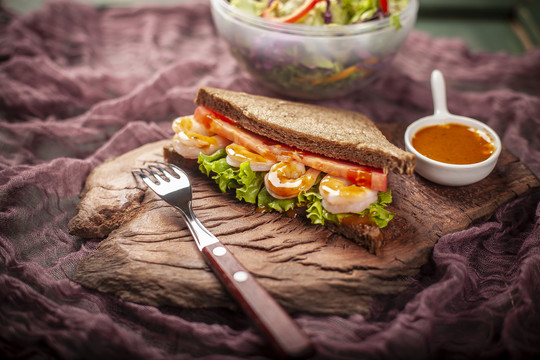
(328, 165)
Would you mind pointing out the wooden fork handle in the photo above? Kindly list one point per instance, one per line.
(284, 334)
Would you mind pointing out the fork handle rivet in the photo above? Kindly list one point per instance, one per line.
(219, 251)
(240, 276)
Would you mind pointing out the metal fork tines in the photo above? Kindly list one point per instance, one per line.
(173, 185)
(176, 190)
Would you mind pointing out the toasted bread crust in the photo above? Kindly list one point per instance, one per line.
(334, 133)
(171, 156)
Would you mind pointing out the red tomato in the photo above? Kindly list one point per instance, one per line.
(292, 17)
(367, 176)
(215, 124)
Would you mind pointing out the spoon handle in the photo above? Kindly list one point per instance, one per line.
(438, 89)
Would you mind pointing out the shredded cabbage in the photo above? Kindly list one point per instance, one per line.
(336, 12)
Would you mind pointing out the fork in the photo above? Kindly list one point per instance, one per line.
(173, 185)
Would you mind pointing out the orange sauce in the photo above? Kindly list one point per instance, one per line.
(184, 125)
(453, 144)
(287, 181)
(244, 154)
(291, 213)
(354, 220)
(331, 184)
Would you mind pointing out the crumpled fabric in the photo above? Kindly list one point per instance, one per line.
(81, 84)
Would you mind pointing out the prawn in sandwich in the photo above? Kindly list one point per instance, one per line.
(329, 165)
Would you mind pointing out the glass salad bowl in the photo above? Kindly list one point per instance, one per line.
(312, 62)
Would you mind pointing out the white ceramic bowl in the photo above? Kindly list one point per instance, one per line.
(302, 61)
(443, 173)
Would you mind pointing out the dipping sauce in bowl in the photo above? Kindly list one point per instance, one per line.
(453, 143)
(452, 150)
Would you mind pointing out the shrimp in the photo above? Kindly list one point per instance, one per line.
(286, 180)
(192, 138)
(342, 196)
(374, 178)
(237, 154)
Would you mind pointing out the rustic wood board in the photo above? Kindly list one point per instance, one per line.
(148, 256)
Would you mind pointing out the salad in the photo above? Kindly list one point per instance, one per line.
(339, 46)
(323, 12)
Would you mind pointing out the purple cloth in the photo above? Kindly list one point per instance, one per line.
(79, 85)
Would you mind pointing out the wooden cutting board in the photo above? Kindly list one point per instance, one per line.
(148, 256)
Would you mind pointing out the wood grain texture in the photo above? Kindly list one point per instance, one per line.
(148, 256)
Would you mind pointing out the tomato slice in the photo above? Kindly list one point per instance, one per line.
(293, 17)
(371, 177)
(227, 129)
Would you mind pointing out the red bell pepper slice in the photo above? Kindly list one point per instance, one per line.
(384, 6)
(294, 16)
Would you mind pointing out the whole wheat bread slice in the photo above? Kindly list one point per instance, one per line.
(334, 133)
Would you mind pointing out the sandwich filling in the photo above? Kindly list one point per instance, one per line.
(278, 177)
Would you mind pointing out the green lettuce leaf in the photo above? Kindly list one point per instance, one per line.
(318, 215)
(249, 187)
(315, 212)
(254, 7)
(216, 167)
(250, 183)
(395, 21)
(206, 162)
(377, 211)
(267, 202)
